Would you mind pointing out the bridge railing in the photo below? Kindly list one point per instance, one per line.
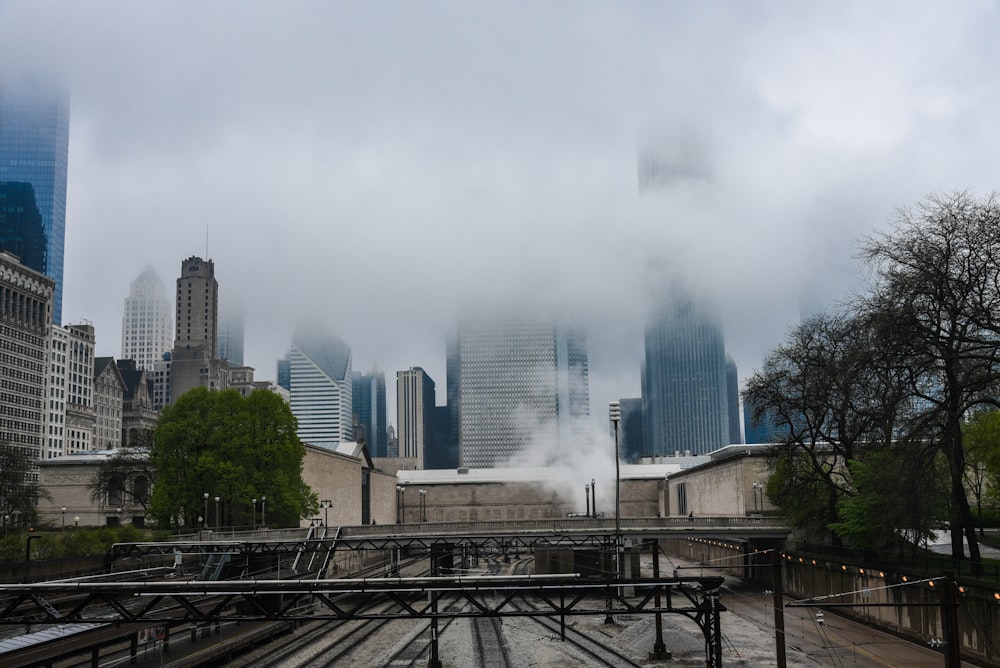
(574, 524)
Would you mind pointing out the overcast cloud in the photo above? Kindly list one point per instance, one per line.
(379, 164)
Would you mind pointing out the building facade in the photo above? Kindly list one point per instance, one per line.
(194, 360)
(80, 389)
(147, 323)
(414, 413)
(318, 371)
(515, 379)
(109, 395)
(684, 381)
(34, 152)
(26, 298)
(139, 418)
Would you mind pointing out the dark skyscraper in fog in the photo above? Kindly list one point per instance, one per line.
(368, 400)
(34, 156)
(684, 382)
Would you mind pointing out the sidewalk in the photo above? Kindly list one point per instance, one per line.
(941, 544)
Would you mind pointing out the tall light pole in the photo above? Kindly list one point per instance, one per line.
(423, 505)
(586, 494)
(64, 518)
(593, 496)
(263, 512)
(218, 517)
(400, 504)
(253, 502)
(755, 484)
(615, 413)
(204, 524)
(325, 504)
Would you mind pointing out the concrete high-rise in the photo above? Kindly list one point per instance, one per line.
(25, 320)
(70, 418)
(414, 413)
(34, 156)
(317, 370)
(109, 401)
(147, 323)
(194, 360)
(516, 380)
(684, 381)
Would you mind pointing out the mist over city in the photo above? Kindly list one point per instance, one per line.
(381, 166)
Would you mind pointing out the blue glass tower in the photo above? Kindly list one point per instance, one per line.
(34, 151)
(684, 384)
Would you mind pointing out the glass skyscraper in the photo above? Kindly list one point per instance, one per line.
(684, 381)
(34, 155)
(513, 381)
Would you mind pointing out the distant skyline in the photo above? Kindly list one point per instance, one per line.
(380, 166)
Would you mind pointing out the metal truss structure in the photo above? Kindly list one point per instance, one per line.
(434, 598)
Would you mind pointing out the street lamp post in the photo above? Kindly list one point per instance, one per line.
(218, 518)
(423, 505)
(6, 520)
(64, 518)
(586, 495)
(400, 504)
(76, 521)
(325, 504)
(593, 496)
(615, 413)
(204, 524)
(253, 502)
(263, 512)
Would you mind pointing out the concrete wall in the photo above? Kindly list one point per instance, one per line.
(383, 497)
(335, 477)
(459, 502)
(68, 485)
(913, 611)
(721, 488)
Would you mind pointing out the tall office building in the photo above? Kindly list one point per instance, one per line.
(71, 417)
(733, 401)
(231, 333)
(684, 381)
(147, 324)
(368, 404)
(516, 381)
(194, 360)
(414, 413)
(25, 320)
(318, 372)
(631, 439)
(34, 155)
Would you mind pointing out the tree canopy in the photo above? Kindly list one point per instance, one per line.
(234, 448)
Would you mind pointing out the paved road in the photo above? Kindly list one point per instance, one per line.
(837, 642)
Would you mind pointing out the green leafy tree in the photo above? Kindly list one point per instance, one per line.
(231, 447)
(19, 488)
(981, 436)
(884, 510)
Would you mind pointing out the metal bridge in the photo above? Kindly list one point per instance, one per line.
(306, 591)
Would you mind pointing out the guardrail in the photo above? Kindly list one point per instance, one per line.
(574, 524)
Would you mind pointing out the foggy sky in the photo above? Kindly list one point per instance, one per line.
(379, 165)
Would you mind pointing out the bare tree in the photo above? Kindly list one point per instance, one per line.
(934, 306)
(829, 404)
